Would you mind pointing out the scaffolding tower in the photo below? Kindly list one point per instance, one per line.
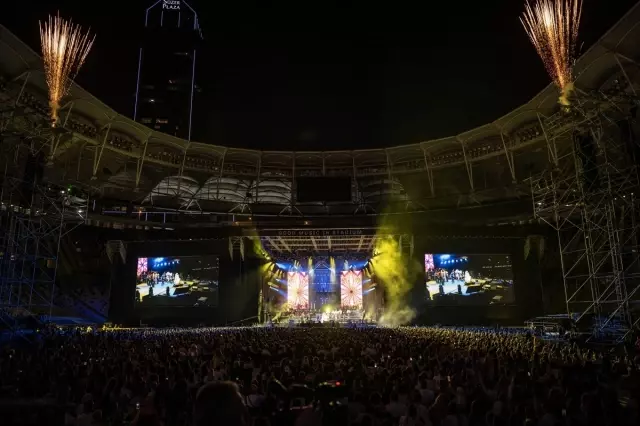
(589, 196)
(34, 216)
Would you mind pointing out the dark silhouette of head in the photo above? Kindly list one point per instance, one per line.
(220, 404)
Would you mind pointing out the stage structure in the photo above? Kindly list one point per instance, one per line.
(589, 195)
(322, 269)
(34, 217)
(298, 243)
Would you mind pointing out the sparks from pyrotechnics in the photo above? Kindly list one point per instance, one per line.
(552, 27)
(64, 49)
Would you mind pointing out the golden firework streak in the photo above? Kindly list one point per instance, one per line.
(552, 27)
(64, 49)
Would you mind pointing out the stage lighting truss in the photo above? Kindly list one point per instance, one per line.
(299, 247)
(589, 195)
(34, 218)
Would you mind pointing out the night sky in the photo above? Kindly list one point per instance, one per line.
(313, 76)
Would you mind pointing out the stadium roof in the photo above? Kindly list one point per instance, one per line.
(620, 43)
(489, 162)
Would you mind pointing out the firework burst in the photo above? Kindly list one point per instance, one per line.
(64, 49)
(552, 27)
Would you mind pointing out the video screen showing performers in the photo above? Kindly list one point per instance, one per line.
(475, 279)
(177, 281)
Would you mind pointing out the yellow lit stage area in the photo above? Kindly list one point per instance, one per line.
(323, 275)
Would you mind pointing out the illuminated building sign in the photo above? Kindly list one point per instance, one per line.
(321, 232)
(171, 4)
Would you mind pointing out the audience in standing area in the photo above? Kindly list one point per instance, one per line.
(296, 376)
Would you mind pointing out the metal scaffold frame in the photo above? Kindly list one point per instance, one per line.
(34, 216)
(589, 196)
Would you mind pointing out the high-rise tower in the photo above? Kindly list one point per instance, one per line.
(166, 83)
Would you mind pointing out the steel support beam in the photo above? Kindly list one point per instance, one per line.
(509, 155)
(552, 149)
(284, 244)
(626, 76)
(257, 183)
(389, 169)
(24, 85)
(626, 58)
(26, 75)
(293, 182)
(97, 155)
(428, 169)
(467, 164)
(179, 202)
(184, 158)
(224, 154)
(371, 242)
(273, 243)
(354, 170)
(141, 159)
(56, 141)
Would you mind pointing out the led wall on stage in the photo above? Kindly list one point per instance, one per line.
(469, 279)
(177, 281)
(351, 289)
(298, 290)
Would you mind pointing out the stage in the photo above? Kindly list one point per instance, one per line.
(318, 317)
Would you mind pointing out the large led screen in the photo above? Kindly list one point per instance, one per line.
(469, 279)
(177, 281)
(351, 289)
(298, 290)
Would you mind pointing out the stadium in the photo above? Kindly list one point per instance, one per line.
(103, 180)
(489, 277)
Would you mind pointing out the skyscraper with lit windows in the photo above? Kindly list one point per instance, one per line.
(166, 86)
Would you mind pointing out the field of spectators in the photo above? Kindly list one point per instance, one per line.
(281, 376)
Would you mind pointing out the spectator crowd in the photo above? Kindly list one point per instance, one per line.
(297, 376)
